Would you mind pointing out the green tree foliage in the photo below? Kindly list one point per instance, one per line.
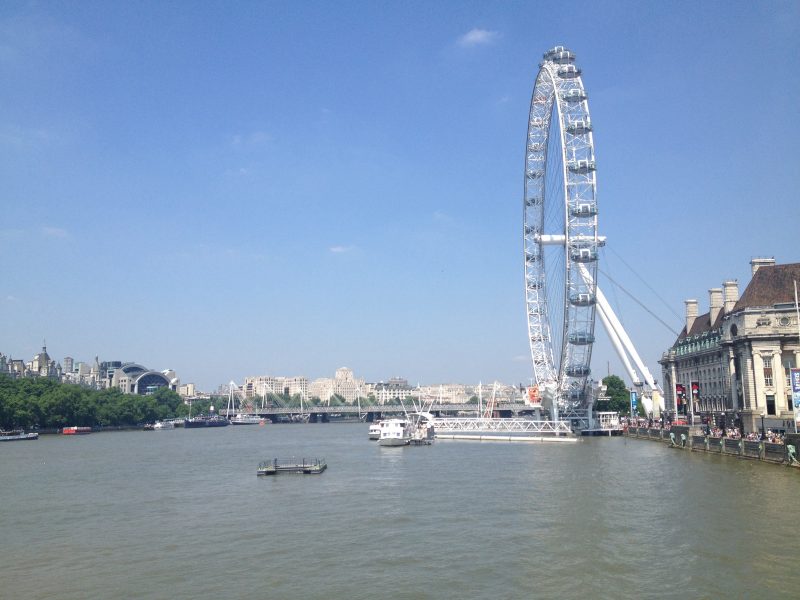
(618, 394)
(44, 403)
(337, 400)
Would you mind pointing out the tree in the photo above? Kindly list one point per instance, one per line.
(167, 398)
(619, 398)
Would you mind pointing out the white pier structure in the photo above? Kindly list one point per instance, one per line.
(501, 426)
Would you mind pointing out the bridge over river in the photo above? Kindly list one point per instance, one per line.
(372, 413)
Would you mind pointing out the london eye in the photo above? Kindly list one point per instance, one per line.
(560, 232)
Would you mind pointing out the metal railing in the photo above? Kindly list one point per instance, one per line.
(759, 450)
(458, 425)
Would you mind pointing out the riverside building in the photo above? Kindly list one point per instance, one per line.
(735, 359)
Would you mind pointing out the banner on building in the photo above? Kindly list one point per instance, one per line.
(633, 404)
(695, 391)
(533, 395)
(795, 377)
(680, 397)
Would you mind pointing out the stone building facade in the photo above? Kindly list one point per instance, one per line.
(735, 359)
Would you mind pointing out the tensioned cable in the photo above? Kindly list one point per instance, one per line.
(644, 281)
(635, 299)
(617, 303)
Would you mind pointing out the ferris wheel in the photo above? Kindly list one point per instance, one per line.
(560, 231)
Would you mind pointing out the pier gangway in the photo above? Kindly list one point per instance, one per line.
(507, 426)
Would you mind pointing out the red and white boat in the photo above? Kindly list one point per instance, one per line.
(76, 430)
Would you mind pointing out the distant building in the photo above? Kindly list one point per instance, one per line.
(343, 384)
(264, 385)
(447, 393)
(394, 389)
(736, 358)
(133, 378)
(42, 366)
(187, 390)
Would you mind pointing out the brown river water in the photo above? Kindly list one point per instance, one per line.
(181, 514)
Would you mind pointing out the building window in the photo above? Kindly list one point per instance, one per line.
(787, 367)
(768, 374)
(770, 404)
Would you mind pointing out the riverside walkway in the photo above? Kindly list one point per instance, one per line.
(686, 438)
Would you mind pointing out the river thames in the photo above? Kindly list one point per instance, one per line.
(181, 514)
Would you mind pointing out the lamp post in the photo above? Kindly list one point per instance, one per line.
(763, 434)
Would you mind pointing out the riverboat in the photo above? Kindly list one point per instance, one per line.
(395, 432)
(245, 419)
(416, 431)
(306, 466)
(375, 431)
(198, 422)
(159, 425)
(17, 435)
(76, 430)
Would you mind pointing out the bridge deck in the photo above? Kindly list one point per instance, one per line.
(436, 409)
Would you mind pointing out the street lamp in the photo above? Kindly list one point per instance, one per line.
(763, 434)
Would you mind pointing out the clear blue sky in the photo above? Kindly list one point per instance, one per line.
(245, 188)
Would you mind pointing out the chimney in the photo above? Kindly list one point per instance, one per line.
(731, 294)
(691, 314)
(757, 263)
(714, 304)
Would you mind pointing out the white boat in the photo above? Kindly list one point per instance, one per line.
(244, 419)
(17, 435)
(375, 430)
(164, 425)
(395, 432)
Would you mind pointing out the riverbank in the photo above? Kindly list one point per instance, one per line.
(96, 429)
(693, 440)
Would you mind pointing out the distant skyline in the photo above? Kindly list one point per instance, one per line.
(267, 188)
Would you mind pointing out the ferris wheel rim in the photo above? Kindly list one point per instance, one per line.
(559, 104)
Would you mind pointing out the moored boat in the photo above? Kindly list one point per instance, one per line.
(163, 425)
(375, 430)
(76, 430)
(17, 435)
(395, 432)
(245, 419)
(198, 422)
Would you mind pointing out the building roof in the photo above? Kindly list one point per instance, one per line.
(771, 284)
(702, 323)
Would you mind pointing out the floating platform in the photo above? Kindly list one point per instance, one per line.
(306, 466)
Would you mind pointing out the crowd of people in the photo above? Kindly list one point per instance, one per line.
(734, 433)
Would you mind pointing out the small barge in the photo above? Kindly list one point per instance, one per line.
(306, 466)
